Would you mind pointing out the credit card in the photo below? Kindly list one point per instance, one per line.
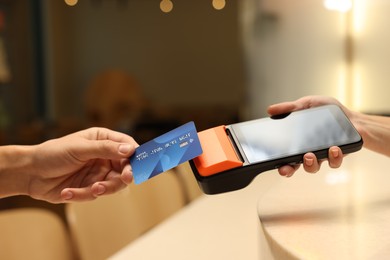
(165, 152)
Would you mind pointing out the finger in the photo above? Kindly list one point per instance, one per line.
(127, 174)
(104, 149)
(299, 104)
(92, 192)
(101, 133)
(288, 170)
(335, 157)
(310, 163)
(125, 170)
(281, 108)
(107, 187)
(77, 194)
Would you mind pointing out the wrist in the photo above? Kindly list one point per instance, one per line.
(375, 131)
(358, 120)
(15, 164)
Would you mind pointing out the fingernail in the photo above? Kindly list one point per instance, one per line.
(68, 195)
(309, 161)
(101, 189)
(127, 177)
(125, 148)
(335, 153)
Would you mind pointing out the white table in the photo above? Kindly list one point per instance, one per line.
(338, 214)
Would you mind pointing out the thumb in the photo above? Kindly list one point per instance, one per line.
(126, 149)
(281, 108)
(105, 149)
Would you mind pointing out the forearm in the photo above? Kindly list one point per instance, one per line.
(15, 164)
(375, 131)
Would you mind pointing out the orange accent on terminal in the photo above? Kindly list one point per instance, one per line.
(218, 153)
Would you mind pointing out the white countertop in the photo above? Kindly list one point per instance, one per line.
(334, 214)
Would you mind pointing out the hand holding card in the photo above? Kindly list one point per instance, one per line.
(165, 152)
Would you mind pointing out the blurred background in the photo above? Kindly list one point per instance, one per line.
(144, 67)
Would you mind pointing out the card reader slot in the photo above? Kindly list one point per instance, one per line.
(234, 145)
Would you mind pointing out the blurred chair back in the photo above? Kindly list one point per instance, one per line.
(102, 227)
(32, 233)
(114, 99)
(187, 179)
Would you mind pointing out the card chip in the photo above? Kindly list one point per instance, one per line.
(183, 144)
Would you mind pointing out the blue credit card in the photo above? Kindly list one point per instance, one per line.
(165, 152)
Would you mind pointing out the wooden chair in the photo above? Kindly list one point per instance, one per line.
(32, 233)
(103, 226)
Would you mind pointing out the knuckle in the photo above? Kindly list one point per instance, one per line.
(106, 145)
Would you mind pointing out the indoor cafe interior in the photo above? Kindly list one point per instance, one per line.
(145, 67)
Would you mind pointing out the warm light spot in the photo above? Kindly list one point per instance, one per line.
(166, 6)
(219, 4)
(71, 2)
(338, 5)
(359, 16)
(337, 177)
